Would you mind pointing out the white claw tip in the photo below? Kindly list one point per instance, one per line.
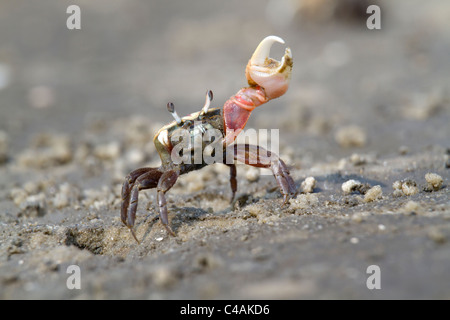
(274, 39)
(262, 51)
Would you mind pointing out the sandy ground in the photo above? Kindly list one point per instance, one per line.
(79, 108)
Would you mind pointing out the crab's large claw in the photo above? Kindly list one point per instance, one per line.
(272, 75)
(268, 79)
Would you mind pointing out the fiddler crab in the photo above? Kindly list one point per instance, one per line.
(267, 79)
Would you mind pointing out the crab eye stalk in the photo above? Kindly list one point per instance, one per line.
(209, 97)
(171, 108)
(270, 74)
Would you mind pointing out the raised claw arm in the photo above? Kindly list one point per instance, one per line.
(267, 78)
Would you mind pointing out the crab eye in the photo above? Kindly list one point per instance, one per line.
(209, 97)
(171, 109)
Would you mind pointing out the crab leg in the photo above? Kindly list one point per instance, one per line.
(126, 190)
(261, 158)
(166, 182)
(233, 181)
(140, 179)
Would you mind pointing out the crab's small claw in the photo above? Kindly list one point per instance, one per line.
(272, 75)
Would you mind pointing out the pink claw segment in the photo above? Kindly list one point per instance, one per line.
(238, 108)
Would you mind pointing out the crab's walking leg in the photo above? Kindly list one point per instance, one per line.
(126, 190)
(261, 158)
(166, 182)
(233, 181)
(140, 179)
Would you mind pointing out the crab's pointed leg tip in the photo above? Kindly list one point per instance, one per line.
(134, 236)
(170, 231)
(286, 198)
